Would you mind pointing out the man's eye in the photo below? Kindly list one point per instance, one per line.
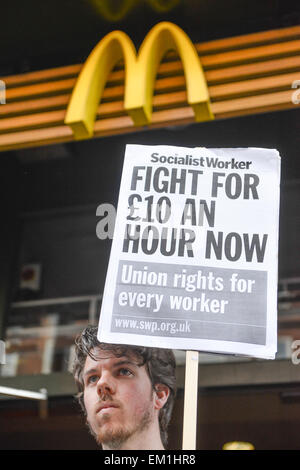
(125, 371)
(92, 379)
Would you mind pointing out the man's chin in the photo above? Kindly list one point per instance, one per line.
(112, 437)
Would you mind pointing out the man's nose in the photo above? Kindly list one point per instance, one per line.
(106, 385)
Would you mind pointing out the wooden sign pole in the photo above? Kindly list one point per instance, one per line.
(190, 401)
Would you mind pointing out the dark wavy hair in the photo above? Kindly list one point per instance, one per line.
(160, 365)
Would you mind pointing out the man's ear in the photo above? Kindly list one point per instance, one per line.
(161, 395)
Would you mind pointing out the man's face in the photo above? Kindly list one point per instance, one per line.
(118, 398)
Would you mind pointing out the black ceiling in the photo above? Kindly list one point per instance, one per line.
(37, 34)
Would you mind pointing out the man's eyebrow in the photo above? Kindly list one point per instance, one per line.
(90, 371)
(123, 362)
(93, 370)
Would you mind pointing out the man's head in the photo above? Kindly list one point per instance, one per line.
(126, 392)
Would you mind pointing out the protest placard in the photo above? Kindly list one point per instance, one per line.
(193, 263)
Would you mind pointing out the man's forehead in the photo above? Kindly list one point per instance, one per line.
(100, 356)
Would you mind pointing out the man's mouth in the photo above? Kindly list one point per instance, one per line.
(106, 407)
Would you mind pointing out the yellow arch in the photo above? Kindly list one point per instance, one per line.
(117, 14)
(163, 6)
(82, 108)
(161, 38)
(140, 73)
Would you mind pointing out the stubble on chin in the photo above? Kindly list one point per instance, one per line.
(113, 437)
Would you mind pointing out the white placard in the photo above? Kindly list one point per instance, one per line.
(194, 257)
